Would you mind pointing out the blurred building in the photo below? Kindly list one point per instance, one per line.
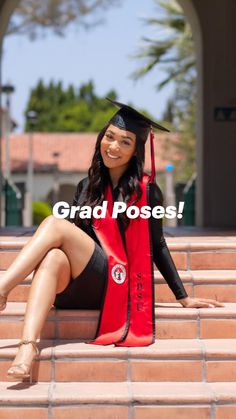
(64, 158)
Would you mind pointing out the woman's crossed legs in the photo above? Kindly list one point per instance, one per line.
(57, 252)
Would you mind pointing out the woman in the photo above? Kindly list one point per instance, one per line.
(96, 263)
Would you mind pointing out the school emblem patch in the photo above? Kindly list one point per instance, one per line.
(118, 273)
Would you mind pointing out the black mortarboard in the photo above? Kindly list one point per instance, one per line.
(127, 118)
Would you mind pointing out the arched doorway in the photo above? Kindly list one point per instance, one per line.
(191, 15)
(214, 32)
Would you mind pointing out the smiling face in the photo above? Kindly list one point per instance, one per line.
(117, 147)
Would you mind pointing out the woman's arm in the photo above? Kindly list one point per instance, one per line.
(161, 254)
(164, 262)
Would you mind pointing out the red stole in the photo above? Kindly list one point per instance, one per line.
(127, 316)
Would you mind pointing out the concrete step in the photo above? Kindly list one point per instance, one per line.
(188, 253)
(216, 284)
(193, 360)
(172, 322)
(162, 400)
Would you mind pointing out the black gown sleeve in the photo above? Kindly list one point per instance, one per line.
(161, 254)
(75, 200)
(80, 188)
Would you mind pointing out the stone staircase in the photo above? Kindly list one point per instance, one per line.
(190, 371)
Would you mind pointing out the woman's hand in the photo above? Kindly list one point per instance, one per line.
(199, 302)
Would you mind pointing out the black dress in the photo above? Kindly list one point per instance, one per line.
(87, 290)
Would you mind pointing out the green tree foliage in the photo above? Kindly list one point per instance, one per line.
(68, 110)
(41, 210)
(172, 51)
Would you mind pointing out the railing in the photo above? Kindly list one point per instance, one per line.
(13, 200)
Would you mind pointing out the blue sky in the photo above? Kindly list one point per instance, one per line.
(102, 54)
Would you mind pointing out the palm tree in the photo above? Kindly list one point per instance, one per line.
(173, 52)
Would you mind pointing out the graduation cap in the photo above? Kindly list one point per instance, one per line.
(129, 119)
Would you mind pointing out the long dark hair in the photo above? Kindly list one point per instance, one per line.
(99, 177)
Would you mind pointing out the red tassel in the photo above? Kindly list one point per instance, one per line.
(153, 171)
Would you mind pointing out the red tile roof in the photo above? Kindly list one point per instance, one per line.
(76, 151)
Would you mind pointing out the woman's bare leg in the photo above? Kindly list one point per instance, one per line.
(52, 233)
(52, 236)
(51, 277)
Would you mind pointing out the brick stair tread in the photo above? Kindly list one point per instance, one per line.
(187, 253)
(27, 280)
(123, 393)
(209, 276)
(174, 243)
(213, 276)
(162, 311)
(13, 243)
(181, 349)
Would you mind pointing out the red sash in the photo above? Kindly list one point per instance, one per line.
(127, 316)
